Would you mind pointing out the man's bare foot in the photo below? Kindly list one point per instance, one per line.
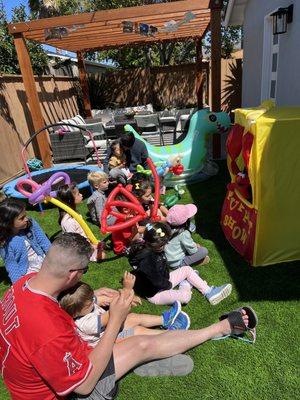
(227, 328)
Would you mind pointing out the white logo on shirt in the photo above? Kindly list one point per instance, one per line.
(72, 364)
(10, 318)
(4, 351)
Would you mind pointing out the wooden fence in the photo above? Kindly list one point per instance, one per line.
(161, 86)
(58, 100)
(169, 86)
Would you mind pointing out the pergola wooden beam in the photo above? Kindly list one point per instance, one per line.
(84, 85)
(201, 16)
(215, 27)
(94, 45)
(117, 30)
(102, 30)
(199, 73)
(33, 99)
(117, 14)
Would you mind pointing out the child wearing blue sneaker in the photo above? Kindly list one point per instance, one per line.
(91, 319)
(153, 280)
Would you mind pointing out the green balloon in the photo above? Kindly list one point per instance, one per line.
(171, 200)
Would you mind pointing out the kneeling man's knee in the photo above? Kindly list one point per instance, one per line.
(145, 344)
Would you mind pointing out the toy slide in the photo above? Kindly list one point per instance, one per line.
(192, 150)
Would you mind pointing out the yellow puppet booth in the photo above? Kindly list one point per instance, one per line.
(261, 211)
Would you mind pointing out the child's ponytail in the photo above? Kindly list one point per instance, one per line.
(65, 194)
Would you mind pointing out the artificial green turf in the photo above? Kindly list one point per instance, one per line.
(228, 369)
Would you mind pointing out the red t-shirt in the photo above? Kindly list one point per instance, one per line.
(41, 354)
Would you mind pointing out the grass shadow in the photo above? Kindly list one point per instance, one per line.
(4, 276)
(277, 282)
(54, 236)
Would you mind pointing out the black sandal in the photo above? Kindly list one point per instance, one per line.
(236, 321)
(238, 327)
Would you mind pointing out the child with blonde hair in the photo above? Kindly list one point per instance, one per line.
(80, 303)
(96, 202)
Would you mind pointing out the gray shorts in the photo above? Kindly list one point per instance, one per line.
(125, 333)
(106, 388)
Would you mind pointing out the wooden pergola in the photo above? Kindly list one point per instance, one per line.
(102, 30)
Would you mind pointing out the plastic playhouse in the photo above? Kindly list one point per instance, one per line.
(261, 211)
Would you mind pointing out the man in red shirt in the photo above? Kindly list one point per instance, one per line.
(43, 357)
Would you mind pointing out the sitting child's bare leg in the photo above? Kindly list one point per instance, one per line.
(104, 318)
(172, 318)
(141, 330)
(145, 320)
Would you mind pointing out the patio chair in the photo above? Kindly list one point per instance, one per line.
(73, 143)
(149, 127)
(182, 118)
(68, 146)
(167, 120)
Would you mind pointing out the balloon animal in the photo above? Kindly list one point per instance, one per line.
(132, 204)
(172, 199)
(43, 193)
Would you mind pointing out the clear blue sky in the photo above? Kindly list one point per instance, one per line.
(10, 4)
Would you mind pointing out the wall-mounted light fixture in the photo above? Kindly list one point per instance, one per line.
(282, 17)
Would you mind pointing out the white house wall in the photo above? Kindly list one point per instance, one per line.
(288, 71)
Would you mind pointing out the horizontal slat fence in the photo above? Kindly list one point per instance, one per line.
(58, 99)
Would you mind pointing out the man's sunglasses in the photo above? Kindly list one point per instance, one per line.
(83, 270)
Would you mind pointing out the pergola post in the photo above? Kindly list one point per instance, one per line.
(199, 73)
(215, 28)
(33, 99)
(84, 85)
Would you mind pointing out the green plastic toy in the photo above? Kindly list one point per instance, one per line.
(172, 199)
(192, 150)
